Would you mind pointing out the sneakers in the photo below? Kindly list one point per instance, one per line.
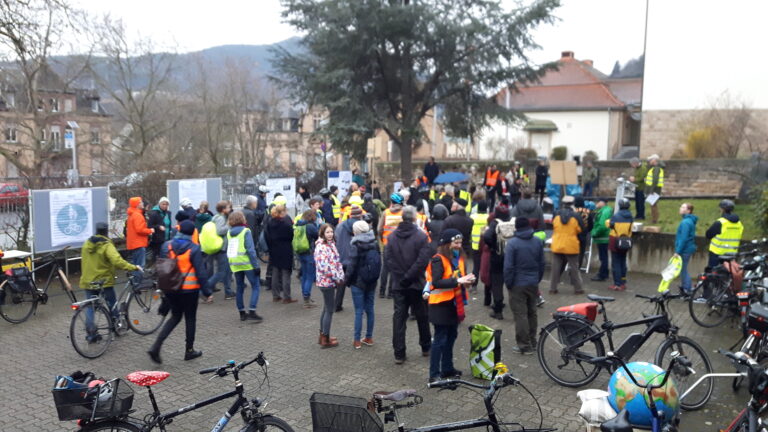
(229, 296)
(617, 287)
(309, 303)
(452, 374)
(700, 300)
(540, 301)
(357, 344)
(399, 360)
(252, 316)
(367, 341)
(522, 351)
(192, 354)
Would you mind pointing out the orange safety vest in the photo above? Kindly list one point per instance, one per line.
(441, 295)
(184, 261)
(420, 181)
(421, 222)
(195, 235)
(391, 221)
(491, 177)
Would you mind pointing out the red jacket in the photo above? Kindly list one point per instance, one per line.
(136, 231)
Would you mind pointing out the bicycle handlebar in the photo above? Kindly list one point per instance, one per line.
(233, 366)
(660, 297)
(740, 358)
(500, 381)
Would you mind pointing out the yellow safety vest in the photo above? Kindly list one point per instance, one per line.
(727, 242)
(239, 260)
(649, 177)
(391, 221)
(336, 206)
(433, 195)
(465, 195)
(480, 222)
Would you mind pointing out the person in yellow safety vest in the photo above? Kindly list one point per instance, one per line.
(336, 203)
(654, 182)
(433, 194)
(189, 259)
(463, 194)
(388, 223)
(447, 279)
(421, 221)
(725, 234)
(353, 200)
(519, 173)
(241, 254)
(479, 223)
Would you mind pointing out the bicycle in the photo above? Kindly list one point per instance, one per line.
(251, 410)
(571, 350)
(347, 414)
(94, 325)
(621, 422)
(20, 295)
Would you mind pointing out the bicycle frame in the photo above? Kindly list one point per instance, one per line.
(161, 419)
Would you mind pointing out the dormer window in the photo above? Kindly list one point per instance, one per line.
(54, 103)
(95, 105)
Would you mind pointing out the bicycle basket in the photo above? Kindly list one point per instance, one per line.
(111, 399)
(336, 413)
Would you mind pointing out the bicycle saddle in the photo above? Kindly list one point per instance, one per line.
(394, 396)
(597, 298)
(620, 423)
(147, 378)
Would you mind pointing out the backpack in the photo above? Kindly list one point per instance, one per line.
(210, 241)
(169, 277)
(504, 232)
(370, 266)
(485, 350)
(300, 242)
(624, 243)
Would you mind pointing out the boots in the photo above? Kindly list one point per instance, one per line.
(254, 317)
(154, 355)
(328, 342)
(190, 354)
(243, 316)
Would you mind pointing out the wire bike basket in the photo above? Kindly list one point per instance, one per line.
(336, 413)
(111, 399)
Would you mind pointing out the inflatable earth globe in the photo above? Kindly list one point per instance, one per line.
(623, 393)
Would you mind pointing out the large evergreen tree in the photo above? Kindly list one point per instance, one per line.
(384, 64)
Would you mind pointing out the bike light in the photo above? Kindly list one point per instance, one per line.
(75, 307)
(755, 333)
(136, 322)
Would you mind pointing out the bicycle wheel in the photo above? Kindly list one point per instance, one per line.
(111, 426)
(683, 377)
(568, 367)
(16, 305)
(710, 303)
(91, 341)
(268, 423)
(142, 310)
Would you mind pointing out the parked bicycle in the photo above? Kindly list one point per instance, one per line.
(94, 325)
(349, 414)
(571, 349)
(251, 411)
(20, 294)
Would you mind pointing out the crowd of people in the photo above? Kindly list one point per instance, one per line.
(416, 251)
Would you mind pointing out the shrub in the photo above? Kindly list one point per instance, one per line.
(759, 195)
(590, 155)
(559, 153)
(525, 154)
(704, 142)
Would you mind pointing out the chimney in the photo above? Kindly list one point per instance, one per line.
(566, 55)
(587, 62)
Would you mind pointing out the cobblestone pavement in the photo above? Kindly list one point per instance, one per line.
(33, 352)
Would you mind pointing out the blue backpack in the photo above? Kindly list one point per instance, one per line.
(370, 266)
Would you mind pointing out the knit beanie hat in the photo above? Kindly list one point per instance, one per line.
(356, 212)
(448, 235)
(187, 227)
(360, 227)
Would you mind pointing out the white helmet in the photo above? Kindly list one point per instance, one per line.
(263, 189)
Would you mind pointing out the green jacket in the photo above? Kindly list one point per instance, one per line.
(600, 232)
(100, 259)
(640, 173)
(588, 175)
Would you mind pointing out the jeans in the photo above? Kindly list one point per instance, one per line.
(307, 274)
(558, 266)
(685, 277)
(223, 273)
(588, 189)
(640, 203)
(602, 251)
(139, 258)
(619, 265)
(109, 296)
(363, 301)
(441, 356)
(329, 306)
(522, 301)
(281, 283)
(404, 299)
(182, 304)
(253, 279)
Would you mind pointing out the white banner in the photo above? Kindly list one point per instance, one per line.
(340, 179)
(71, 216)
(195, 190)
(286, 186)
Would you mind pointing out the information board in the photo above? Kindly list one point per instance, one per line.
(66, 217)
(342, 180)
(286, 186)
(196, 190)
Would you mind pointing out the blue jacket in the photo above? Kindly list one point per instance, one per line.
(250, 247)
(180, 244)
(523, 260)
(685, 240)
(327, 210)
(344, 238)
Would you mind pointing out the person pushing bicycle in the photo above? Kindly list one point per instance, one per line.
(99, 262)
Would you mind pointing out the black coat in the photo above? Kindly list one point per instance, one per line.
(407, 254)
(431, 171)
(442, 313)
(279, 236)
(155, 221)
(463, 223)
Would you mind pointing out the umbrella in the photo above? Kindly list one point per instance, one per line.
(451, 177)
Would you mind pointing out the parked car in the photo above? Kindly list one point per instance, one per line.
(12, 194)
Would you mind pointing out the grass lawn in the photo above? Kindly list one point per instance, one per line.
(706, 209)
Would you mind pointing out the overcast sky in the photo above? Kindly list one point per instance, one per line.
(601, 30)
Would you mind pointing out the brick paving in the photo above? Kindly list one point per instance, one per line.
(33, 352)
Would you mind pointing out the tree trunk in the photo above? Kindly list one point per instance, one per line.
(406, 158)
